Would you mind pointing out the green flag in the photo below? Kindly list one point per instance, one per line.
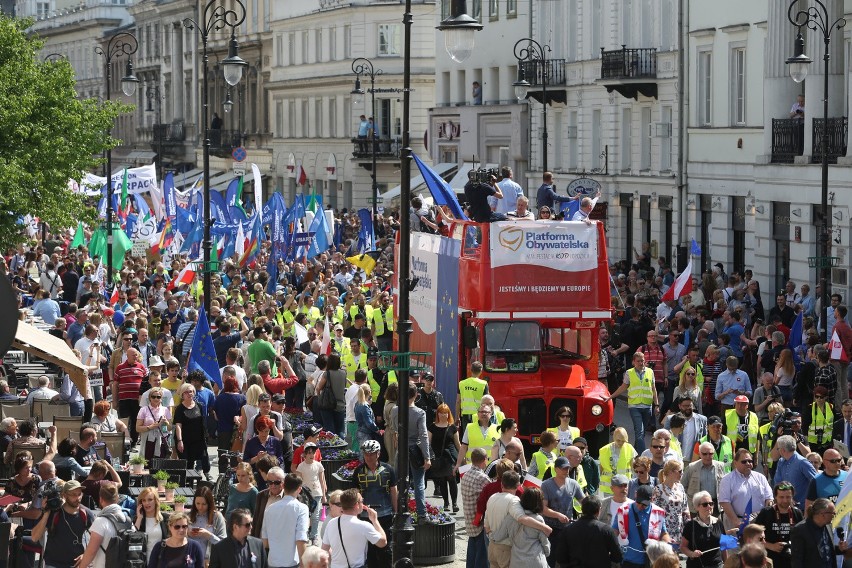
(124, 191)
(79, 236)
(238, 199)
(312, 202)
(98, 242)
(120, 245)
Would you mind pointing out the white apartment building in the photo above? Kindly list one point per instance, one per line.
(754, 173)
(612, 115)
(311, 111)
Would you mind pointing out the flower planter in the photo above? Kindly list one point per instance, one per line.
(434, 544)
(161, 486)
(137, 468)
(170, 494)
(179, 507)
(333, 483)
(325, 450)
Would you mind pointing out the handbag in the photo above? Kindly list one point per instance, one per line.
(326, 399)
(415, 456)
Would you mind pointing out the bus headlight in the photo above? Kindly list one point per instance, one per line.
(597, 410)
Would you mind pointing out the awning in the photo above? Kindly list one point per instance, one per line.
(145, 155)
(223, 185)
(45, 346)
(553, 96)
(460, 179)
(442, 170)
(221, 180)
(188, 178)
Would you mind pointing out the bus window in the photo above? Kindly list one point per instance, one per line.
(512, 347)
(573, 342)
(585, 342)
(570, 340)
(471, 243)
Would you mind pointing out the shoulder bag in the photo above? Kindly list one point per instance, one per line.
(326, 399)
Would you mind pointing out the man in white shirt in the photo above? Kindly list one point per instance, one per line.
(355, 533)
(103, 528)
(499, 506)
(511, 192)
(285, 526)
(585, 210)
(43, 391)
(231, 358)
(351, 397)
(51, 281)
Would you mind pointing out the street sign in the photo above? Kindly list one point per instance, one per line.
(239, 154)
(379, 200)
(239, 170)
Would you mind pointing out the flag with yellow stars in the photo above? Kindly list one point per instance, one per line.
(202, 356)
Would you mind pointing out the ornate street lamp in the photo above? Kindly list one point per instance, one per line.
(363, 66)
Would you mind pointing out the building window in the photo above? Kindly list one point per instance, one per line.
(291, 118)
(596, 31)
(279, 51)
(738, 79)
(332, 118)
(572, 140)
(626, 139)
(347, 41)
(704, 87)
(596, 139)
(493, 9)
(511, 7)
(279, 119)
(626, 22)
(291, 49)
(664, 132)
(42, 9)
(477, 10)
(645, 165)
(318, 44)
(332, 44)
(445, 9)
(304, 46)
(389, 39)
(306, 110)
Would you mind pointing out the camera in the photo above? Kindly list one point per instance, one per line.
(783, 421)
(51, 497)
(483, 175)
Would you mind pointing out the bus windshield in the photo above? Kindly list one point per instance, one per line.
(512, 346)
(575, 343)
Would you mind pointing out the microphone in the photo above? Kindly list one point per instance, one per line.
(841, 535)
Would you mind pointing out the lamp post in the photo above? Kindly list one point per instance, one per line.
(363, 66)
(534, 53)
(459, 30)
(120, 44)
(215, 17)
(53, 57)
(152, 93)
(816, 18)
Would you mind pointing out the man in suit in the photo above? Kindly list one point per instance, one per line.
(604, 550)
(609, 506)
(240, 549)
(272, 494)
(842, 429)
(812, 542)
(693, 479)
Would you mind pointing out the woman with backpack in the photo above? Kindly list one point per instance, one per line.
(177, 549)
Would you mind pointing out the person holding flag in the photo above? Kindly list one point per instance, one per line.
(741, 490)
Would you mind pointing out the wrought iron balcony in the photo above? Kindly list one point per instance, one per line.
(630, 71)
(174, 133)
(788, 139)
(224, 141)
(534, 72)
(386, 148)
(837, 136)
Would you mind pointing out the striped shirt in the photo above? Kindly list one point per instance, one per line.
(129, 378)
(472, 484)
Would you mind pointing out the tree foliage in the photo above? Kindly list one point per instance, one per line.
(47, 135)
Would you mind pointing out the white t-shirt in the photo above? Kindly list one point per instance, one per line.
(168, 398)
(613, 507)
(310, 476)
(106, 529)
(351, 397)
(241, 376)
(356, 534)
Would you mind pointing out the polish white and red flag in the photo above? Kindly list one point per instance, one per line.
(837, 351)
(186, 276)
(681, 286)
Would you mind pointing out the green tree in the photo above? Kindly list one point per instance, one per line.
(48, 136)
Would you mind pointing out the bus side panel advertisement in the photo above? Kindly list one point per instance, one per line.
(565, 257)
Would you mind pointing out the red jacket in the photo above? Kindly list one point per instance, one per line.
(279, 384)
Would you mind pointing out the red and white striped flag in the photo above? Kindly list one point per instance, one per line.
(186, 276)
(326, 338)
(532, 481)
(113, 300)
(681, 286)
(837, 351)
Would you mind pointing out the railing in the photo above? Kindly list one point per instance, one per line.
(788, 139)
(533, 72)
(225, 140)
(385, 148)
(174, 132)
(639, 63)
(837, 136)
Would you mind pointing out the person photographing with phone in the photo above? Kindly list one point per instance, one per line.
(764, 395)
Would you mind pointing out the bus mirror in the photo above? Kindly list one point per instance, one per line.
(470, 338)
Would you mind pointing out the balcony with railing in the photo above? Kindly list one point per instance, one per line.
(837, 137)
(549, 73)
(788, 139)
(386, 149)
(223, 142)
(630, 71)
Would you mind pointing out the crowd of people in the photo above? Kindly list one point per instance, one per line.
(749, 437)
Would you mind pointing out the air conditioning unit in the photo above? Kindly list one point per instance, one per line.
(662, 130)
(571, 132)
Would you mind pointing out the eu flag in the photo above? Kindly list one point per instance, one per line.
(202, 356)
(441, 191)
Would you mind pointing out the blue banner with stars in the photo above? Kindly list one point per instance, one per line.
(202, 356)
(447, 321)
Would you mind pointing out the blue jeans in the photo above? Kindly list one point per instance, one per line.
(418, 484)
(477, 551)
(76, 407)
(334, 421)
(640, 417)
(315, 517)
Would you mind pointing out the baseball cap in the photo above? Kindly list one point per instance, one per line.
(311, 431)
(338, 327)
(714, 420)
(741, 398)
(562, 462)
(372, 353)
(581, 440)
(643, 495)
(278, 398)
(70, 486)
(620, 480)
(310, 445)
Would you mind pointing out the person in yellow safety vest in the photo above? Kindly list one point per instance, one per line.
(742, 426)
(497, 415)
(818, 421)
(722, 444)
(379, 380)
(382, 323)
(334, 310)
(471, 391)
(575, 458)
(641, 398)
(541, 461)
(478, 434)
(616, 458)
(360, 306)
(339, 344)
(354, 360)
(767, 438)
(565, 433)
(310, 310)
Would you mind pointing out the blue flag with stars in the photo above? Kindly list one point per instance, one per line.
(446, 320)
(202, 356)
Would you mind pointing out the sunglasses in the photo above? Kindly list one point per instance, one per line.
(708, 504)
(746, 461)
(659, 447)
(155, 396)
(248, 524)
(564, 416)
(276, 482)
(819, 397)
(838, 460)
(180, 527)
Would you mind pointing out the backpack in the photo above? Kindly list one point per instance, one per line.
(127, 548)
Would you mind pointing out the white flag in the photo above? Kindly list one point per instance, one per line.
(240, 244)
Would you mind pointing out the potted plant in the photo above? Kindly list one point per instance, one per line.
(137, 464)
(180, 501)
(162, 477)
(170, 490)
(165, 508)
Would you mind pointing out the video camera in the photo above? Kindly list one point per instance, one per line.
(51, 496)
(483, 175)
(783, 423)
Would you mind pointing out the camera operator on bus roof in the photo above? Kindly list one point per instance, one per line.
(481, 185)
